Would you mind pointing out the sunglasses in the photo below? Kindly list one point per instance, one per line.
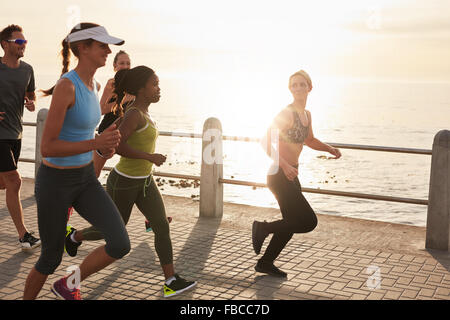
(18, 41)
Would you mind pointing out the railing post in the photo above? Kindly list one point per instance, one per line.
(438, 216)
(211, 190)
(40, 122)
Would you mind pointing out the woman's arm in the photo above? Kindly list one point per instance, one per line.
(318, 145)
(283, 120)
(268, 142)
(131, 122)
(51, 146)
(108, 93)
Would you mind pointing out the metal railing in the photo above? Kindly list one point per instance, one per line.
(304, 189)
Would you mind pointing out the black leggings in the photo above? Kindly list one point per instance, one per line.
(298, 216)
(59, 189)
(125, 192)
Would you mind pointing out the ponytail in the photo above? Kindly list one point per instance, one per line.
(119, 90)
(71, 46)
(65, 53)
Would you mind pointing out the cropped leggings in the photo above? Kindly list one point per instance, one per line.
(56, 191)
(298, 216)
(126, 192)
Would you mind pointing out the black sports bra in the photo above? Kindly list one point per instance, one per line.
(297, 133)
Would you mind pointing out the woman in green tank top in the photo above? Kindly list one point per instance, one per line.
(131, 182)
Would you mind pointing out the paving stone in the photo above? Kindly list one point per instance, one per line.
(392, 295)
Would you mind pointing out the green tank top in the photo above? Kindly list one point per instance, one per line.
(144, 140)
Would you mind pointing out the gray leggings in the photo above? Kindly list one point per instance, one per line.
(56, 191)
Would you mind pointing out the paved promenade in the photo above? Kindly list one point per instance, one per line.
(342, 259)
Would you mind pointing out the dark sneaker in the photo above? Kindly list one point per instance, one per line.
(60, 289)
(258, 235)
(269, 268)
(69, 246)
(28, 243)
(177, 286)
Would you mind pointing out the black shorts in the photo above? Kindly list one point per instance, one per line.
(9, 154)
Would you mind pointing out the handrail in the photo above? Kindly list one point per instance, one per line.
(263, 185)
(167, 174)
(381, 148)
(308, 190)
(337, 145)
(253, 139)
(334, 192)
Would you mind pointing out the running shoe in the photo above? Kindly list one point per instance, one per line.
(177, 286)
(69, 246)
(60, 289)
(28, 243)
(269, 268)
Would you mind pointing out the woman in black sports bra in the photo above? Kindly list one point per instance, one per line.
(290, 130)
(108, 101)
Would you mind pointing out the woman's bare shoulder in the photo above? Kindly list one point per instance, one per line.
(283, 119)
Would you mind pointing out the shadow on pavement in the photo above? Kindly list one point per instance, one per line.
(10, 268)
(196, 249)
(443, 257)
(126, 265)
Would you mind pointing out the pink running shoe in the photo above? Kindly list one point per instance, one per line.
(60, 289)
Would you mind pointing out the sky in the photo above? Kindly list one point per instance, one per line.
(398, 39)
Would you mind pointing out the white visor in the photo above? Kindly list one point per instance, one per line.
(97, 33)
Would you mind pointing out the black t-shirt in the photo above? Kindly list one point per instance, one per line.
(14, 83)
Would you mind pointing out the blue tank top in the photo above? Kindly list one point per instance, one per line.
(80, 121)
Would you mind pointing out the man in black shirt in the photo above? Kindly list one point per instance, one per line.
(16, 92)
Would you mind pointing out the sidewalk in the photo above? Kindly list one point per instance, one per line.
(332, 262)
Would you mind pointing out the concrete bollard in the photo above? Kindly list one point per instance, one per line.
(438, 216)
(40, 123)
(211, 190)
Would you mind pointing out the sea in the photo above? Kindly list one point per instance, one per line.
(374, 112)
